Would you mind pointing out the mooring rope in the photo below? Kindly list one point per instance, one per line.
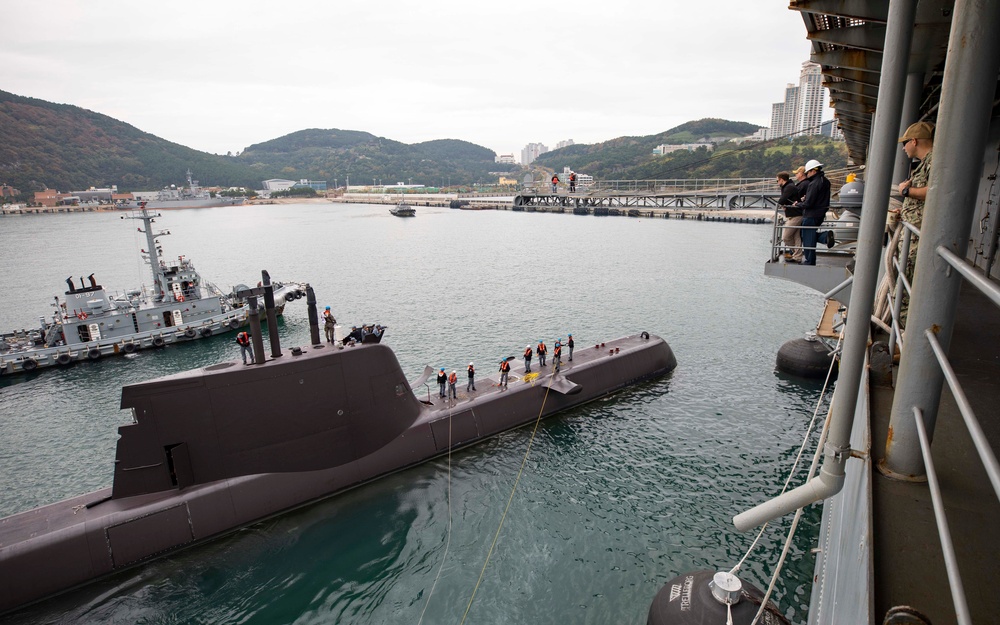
(513, 489)
(447, 544)
(812, 471)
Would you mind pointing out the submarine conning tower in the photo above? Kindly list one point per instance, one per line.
(321, 408)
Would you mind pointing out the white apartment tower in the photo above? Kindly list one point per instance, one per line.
(802, 110)
(531, 152)
(810, 113)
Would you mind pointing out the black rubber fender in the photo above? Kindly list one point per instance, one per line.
(644, 335)
(63, 359)
(128, 348)
(206, 331)
(158, 341)
(805, 359)
(93, 353)
(29, 365)
(189, 333)
(289, 297)
(687, 600)
(233, 323)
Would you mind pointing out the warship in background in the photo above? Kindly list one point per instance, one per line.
(192, 196)
(90, 323)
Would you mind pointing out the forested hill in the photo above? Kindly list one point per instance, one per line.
(68, 148)
(336, 154)
(632, 158)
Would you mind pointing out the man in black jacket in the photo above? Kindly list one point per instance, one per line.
(814, 206)
(790, 237)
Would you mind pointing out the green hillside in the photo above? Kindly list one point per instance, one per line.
(336, 154)
(68, 148)
(630, 158)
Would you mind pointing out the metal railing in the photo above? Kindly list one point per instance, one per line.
(979, 440)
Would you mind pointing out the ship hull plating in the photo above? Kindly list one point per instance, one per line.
(226, 482)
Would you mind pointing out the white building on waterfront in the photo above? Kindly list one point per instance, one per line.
(531, 152)
(278, 184)
(667, 148)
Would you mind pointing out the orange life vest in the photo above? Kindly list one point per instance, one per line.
(472, 371)
(505, 366)
(558, 351)
(242, 338)
(527, 353)
(541, 348)
(452, 378)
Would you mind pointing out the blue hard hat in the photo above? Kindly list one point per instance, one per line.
(328, 308)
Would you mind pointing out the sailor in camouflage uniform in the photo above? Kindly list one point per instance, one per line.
(918, 143)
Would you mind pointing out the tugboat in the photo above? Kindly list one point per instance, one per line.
(403, 210)
(90, 323)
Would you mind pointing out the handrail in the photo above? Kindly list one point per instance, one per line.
(948, 549)
(985, 452)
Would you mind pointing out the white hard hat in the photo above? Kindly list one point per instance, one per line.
(813, 164)
(470, 364)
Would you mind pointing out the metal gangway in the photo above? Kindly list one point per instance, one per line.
(679, 194)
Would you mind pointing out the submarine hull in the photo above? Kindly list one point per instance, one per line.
(155, 510)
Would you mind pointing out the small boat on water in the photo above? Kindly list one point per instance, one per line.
(89, 322)
(403, 210)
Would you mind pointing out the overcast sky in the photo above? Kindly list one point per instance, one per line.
(221, 75)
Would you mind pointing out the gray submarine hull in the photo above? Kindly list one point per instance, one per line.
(214, 449)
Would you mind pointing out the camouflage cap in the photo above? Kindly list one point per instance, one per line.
(919, 130)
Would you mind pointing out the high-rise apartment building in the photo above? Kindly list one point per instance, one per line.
(564, 144)
(531, 152)
(802, 110)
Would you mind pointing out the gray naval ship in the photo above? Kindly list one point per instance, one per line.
(192, 196)
(204, 454)
(90, 323)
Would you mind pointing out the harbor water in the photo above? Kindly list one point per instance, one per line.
(616, 497)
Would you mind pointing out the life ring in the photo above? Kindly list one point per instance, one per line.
(93, 353)
(189, 333)
(206, 331)
(644, 334)
(63, 359)
(289, 297)
(81, 316)
(128, 348)
(180, 298)
(233, 323)
(157, 341)
(29, 364)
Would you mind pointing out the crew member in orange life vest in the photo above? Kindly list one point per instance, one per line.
(541, 351)
(452, 381)
(555, 182)
(504, 371)
(527, 359)
(557, 355)
(243, 339)
(572, 182)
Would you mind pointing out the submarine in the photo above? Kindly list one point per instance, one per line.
(214, 449)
